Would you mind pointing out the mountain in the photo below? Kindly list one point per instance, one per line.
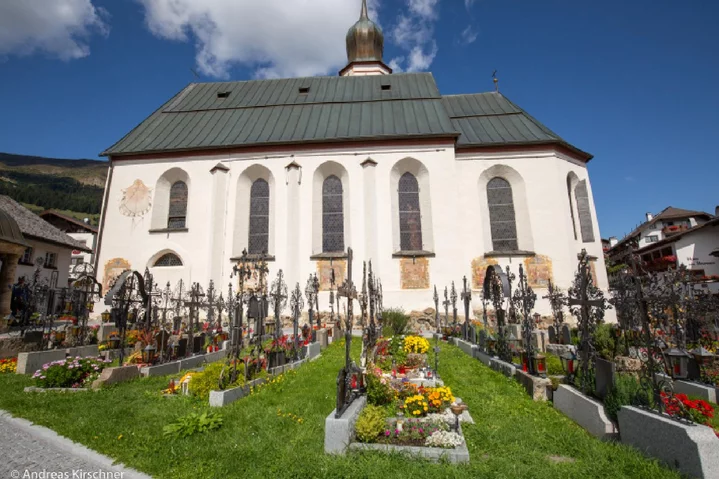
(75, 186)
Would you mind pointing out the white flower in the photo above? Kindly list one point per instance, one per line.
(446, 439)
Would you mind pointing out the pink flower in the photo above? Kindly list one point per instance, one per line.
(421, 431)
(387, 433)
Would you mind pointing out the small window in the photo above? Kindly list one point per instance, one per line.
(223, 94)
(652, 238)
(304, 90)
(168, 259)
(386, 87)
(26, 256)
(50, 260)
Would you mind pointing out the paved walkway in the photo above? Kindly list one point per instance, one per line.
(28, 448)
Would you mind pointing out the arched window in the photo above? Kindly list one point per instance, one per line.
(501, 215)
(585, 215)
(410, 217)
(259, 232)
(168, 259)
(571, 206)
(178, 206)
(333, 229)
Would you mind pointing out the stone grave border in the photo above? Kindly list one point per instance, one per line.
(691, 388)
(228, 396)
(585, 411)
(28, 363)
(692, 449)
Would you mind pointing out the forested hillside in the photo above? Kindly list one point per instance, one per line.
(51, 183)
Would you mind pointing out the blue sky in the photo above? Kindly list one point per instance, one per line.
(633, 82)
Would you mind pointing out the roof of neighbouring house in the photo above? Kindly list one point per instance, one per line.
(668, 213)
(69, 219)
(712, 222)
(330, 109)
(32, 226)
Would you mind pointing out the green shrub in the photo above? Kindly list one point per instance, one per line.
(396, 320)
(554, 365)
(370, 423)
(604, 341)
(193, 423)
(71, 372)
(378, 394)
(621, 394)
(209, 379)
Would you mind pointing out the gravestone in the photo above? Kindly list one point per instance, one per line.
(182, 347)
(176, 323)
(197, 343)
(32, 337)
(336, 333)
(161, 339)
(539, 340)
(483, 340)
(553, 336)
(693, 369)
(473, 334)
(604, 380)
(566, 335)
(515, 329)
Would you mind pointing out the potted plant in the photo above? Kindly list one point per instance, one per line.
(277, 352)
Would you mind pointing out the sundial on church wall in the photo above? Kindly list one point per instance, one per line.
(136, 199)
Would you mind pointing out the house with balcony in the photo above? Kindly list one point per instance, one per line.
(673, 238)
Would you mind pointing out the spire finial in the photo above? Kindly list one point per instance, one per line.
(496, 81)
(363, 14)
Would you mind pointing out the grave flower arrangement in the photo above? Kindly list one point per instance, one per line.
(71, 372)
(8, 365)
(416, 344)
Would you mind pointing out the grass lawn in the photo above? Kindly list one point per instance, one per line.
(513, 437)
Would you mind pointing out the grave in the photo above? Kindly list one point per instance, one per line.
(537, 388)
(690, 448)
(540, 340)
(116, 375)
(604, 376)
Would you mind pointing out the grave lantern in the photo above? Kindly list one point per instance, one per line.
(105, 316)
(514, 343)
(676, 362)
(537, 318)
(491, 343)
(540, 364)
(703, 357)
(90, 306)
(68, 306)
(148, 354)
(113, 342)
(569, 360)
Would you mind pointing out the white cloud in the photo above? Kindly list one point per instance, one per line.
(59, 28)
(423, 8)
(468, 35)
(277, 38)
(468, 3)
(396, 64)
(414, 33)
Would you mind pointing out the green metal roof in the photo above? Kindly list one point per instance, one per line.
(324, 109)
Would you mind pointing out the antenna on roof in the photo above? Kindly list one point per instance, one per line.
(495, 80)
(194, 73)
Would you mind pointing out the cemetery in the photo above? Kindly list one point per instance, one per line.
(362, 389)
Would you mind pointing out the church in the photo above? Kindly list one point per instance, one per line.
(429, 187)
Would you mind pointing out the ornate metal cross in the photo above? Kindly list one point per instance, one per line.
(348, 290)
(453, 298)
(210, 304)
(524, 299)
(296, 305)
(446, 304)
(310, 294)
(278, 298)
(194, 303)
(467, 300)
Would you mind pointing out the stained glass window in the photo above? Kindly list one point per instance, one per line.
(410, 217)
(501, 215)
(259, 235)
(571, 207)
(333, 227)
(178, 206)
(584, 212)
(168, 259)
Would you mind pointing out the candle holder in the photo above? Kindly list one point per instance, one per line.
(457, 410)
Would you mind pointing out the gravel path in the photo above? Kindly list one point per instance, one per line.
(28, 448)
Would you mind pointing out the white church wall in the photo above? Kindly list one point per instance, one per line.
(454, 216)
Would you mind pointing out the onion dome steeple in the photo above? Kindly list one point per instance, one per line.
(365, 44)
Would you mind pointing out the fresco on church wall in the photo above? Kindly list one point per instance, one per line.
(414, 273)
(136, 199)
(479, 270)
(113, 268)
(539, 270)
(324, 272)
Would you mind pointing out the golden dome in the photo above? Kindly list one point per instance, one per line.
(365, 41)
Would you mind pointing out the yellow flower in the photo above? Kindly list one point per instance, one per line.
(119, 437)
